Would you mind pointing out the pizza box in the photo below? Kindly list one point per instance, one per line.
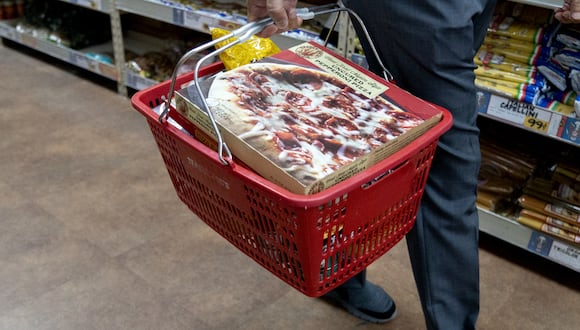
(306, 118)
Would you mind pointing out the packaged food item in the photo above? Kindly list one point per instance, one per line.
(490, 201)
(535, 56)
(486, 58)
(555, 74)
(571, 174)
(508, 26)
(569, 38)
(497, 74)
(497, 41)
(524, 92)
(555, 106)
(548, 229)
(551, 221)
(549, 209)
(250, 51)
(568, 59)
(307, 119)
(567, 97)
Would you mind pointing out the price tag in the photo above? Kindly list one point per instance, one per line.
(79, 60)
(28, 40)
(508, 109)
(178, 16)
(536, 124)
(545, 245)
(137, 82)
(84, 62)
(566, 254)
(94, 4)
(198, 22)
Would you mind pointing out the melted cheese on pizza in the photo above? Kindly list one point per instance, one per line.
(314, 120)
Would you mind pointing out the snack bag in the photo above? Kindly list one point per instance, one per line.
(252, 50)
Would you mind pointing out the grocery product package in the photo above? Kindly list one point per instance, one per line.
(307, 119)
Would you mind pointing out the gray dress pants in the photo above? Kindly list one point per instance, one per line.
(428, 46)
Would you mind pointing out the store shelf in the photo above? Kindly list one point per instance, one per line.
(526, 238)
(75, 57)
(529, 117)
(99, 5)
(198, 20)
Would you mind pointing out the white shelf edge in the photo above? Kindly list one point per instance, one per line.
(192, 19)
(98, 5)
(137, 82)
(513, 112)
(539, 243)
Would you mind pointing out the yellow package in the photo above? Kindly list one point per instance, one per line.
(249, 51)
(525, 93)
(511, 53)
(499, 83)
(496, 41)
(489, 72)
(490, 59)
(509, 27)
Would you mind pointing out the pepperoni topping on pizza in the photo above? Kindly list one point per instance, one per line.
(312, 119)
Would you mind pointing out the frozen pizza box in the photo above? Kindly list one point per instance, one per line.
(306, 118)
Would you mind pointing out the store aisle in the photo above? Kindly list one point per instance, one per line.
(92, 235)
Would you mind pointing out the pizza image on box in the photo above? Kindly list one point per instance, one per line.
(301, 127)
(304, 120)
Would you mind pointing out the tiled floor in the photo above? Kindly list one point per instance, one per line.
(92, 235)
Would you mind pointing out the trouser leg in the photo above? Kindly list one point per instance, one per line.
(429, 46)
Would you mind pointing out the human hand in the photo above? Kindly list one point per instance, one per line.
(569, 13)
(282, 12)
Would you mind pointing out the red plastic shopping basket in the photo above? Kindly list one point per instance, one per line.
(312, 242)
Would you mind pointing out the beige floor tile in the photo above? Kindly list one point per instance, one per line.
(108, 298)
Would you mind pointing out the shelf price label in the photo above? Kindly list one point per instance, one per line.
(536, 124)
(6, 31)
(94, 4)
(560, 252)
(137, 82)
(28, 40)
(520, 113)
(84, 62)
(566, 254)
(197, 21)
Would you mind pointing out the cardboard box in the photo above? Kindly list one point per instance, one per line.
(259, 153)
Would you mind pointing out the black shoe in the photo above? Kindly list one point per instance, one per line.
(368, 302)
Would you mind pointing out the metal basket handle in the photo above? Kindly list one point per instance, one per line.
(243, 34)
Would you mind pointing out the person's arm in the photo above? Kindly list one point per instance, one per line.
(569, 13)
(282, 12)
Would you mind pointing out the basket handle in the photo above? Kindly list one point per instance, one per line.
(243, 34)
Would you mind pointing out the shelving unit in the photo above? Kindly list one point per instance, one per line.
(546, 123)
(186, 17)
(541, 121)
